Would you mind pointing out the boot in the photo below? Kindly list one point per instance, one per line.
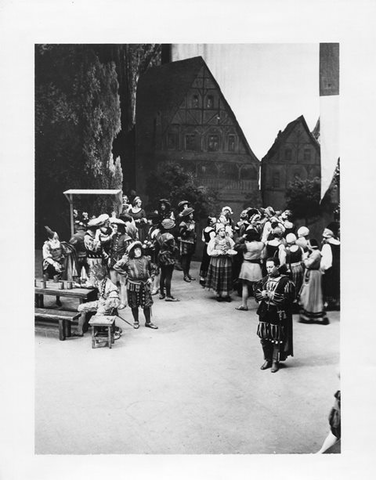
(266, 348)
(275, 366)
(136, 323)
(266, 364)
(147, 319)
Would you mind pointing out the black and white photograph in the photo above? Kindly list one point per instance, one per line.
(189, 271)
(153, 210)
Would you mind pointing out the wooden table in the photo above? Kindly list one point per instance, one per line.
(64, 317)
(82, 294)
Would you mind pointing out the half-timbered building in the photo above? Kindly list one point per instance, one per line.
(295, 153)
(182, 116)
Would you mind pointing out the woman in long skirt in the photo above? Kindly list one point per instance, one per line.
(311, 297)
(294, 261)
(207, 234)
(219, 277)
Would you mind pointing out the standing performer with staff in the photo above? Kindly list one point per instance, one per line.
(139, 272)
(275, 294)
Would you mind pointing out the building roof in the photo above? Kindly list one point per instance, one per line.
(161, 90)
(283, 136)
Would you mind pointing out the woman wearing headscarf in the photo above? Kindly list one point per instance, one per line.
(219, 277)
(251, 247)
(310, 296)
(274, 248)
(330, 267)
(294, 261)
(207, 234)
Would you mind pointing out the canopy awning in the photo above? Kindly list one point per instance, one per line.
(75, 191)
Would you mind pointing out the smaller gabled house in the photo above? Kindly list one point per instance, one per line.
(182, 116)
(295, 153)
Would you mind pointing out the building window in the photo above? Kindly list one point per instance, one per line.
(307, 155)
(276, 180)
(209, 101)
(190, 141)
(171, 141)
(195, 101)
(213, 143)
(288, 154)
(231, 143)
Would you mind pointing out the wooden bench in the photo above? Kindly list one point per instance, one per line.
(64, 318)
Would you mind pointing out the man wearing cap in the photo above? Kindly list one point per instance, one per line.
(77, 241)
(53, 255)
(117, 248)
(187, 238)
(139, 273)
(182, 206)
(53, 258)
(275, 294)
(164, 210)
(168, 250)
(93, 244)
(108, 300)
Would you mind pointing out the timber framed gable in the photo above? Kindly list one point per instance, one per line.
(183, 117)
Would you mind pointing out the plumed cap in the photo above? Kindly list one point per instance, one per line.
(99, 221)
(327, 233)
(269, 211)
(227, 209)
(168, 223)
(187, 212)
(50, 233)
(133, 245)
(118, 221)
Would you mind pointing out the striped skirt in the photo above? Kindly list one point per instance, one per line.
(219, 277)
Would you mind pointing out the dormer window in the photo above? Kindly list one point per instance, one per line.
(307, 155)
(231, 143)
(209, 101)
(195, 103)
(190, 141)
(213, 143)
(288, 154)
(276, 180)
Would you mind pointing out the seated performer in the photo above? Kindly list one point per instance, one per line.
(107, 302)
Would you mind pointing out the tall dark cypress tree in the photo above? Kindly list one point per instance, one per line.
(77, 117)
